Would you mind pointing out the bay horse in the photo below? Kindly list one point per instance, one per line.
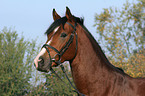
(93, 74)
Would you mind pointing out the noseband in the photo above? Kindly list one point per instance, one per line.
(60, 53)
(63, 50)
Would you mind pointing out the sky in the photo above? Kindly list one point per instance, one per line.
(31, 18)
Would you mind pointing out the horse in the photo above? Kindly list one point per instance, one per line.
(69, 40)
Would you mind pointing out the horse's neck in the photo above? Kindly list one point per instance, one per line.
(88, 66)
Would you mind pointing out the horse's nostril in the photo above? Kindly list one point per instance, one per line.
(41, 60)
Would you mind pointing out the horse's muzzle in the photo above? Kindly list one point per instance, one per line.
(41, 64)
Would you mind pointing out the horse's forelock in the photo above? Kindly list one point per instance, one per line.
(62, 21)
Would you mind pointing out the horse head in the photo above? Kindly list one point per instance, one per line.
(61, 44)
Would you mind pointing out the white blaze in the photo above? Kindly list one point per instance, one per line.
(49, 42)
(36, 60)
(56, 29)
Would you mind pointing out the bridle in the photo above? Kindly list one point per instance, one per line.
(61, 52)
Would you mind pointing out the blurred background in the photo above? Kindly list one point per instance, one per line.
(118, 26)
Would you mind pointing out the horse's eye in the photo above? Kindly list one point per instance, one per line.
(63, 35)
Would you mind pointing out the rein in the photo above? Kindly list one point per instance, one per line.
(60, 53)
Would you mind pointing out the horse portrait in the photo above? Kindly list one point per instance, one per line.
(69, 40)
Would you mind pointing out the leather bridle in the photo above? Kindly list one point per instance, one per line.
(60, 53)
(63, 50)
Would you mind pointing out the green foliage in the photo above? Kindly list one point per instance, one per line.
(56, 86)
(17, 76)
(16, 56)
(53, 86)
(123, 35)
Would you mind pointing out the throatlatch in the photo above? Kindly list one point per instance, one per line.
(60, 53)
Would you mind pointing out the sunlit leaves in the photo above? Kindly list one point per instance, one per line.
(122, 32)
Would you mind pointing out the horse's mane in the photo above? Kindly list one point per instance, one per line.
(99, 51)
(95, 45)
(62, 21)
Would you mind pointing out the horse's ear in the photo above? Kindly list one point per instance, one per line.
(68, 14)
(55, 15)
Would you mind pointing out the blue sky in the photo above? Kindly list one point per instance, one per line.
(33, 17)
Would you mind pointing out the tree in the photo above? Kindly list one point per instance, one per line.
(122, 32)
(16, 58)
(17, 77)
(56, 86)
(53, 86)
